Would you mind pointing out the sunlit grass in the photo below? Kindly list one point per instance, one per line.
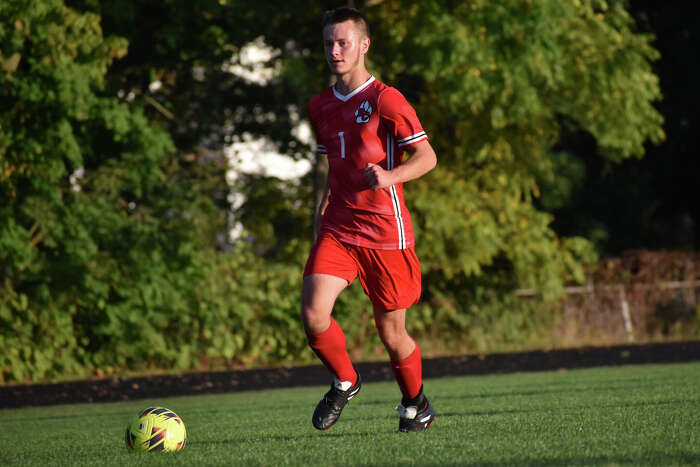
(634, 415)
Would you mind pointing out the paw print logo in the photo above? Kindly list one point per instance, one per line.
(363, 112)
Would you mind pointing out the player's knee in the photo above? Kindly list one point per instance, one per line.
(391, 337)
(307, 315)
(315, 320)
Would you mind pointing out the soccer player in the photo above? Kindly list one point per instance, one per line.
(364, 127)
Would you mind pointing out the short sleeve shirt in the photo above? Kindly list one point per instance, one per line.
(372, 124)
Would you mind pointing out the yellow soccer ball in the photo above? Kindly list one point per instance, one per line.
(156, 429)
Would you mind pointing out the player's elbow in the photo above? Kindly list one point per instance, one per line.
(425, 158)
(430, 159)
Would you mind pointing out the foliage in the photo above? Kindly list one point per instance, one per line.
(246, 314)
(190, 50)
(275, 215)
(102, 238)
(652, 207)
(497, 87)
(114, 200)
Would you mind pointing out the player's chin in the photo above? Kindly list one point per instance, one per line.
(336, 67)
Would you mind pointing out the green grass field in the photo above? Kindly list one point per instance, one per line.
(634, 415)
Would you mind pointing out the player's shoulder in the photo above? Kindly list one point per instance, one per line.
(317, 102)
(381, 89)
(320, 97)
(389, 96)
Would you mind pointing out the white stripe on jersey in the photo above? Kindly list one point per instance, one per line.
(412, 139)
(342, 144)
(393, 193)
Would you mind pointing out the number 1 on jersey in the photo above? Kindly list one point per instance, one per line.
(342, 144)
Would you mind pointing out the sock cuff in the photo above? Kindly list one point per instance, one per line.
(321, 337)
(410, 359)
(417, 401)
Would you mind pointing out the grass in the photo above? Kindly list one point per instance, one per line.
(634, 415)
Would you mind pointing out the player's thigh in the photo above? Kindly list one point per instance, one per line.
(329, 269)
(319, 292)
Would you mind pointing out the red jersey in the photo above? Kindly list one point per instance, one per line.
(374, 123)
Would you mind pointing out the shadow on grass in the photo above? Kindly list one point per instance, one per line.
(487, 413)
(564, 390)
(648, 458)
(290, 438)
(624, 405)
(46, 418)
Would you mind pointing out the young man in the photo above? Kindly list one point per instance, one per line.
(364, 127)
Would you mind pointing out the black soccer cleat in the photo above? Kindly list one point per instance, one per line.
(329, 408)
(416, 414)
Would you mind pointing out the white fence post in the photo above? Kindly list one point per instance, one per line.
(625, 309)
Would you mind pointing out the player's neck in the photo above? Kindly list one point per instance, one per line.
(347, 83)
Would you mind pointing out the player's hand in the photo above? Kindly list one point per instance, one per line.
(376, 177)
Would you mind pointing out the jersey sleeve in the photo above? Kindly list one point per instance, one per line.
(400, 118)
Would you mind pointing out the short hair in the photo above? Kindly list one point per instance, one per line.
(342, 14)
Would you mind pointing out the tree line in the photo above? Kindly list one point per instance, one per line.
(113, 253)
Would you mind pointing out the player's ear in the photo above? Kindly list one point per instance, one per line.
(364, 45)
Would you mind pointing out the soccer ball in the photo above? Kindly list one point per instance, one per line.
(156, 429)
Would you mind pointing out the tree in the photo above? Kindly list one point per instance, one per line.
(654, 205)
(190, 50)
(100, 241)
(502, 89)
(498, 84)
(113, 182)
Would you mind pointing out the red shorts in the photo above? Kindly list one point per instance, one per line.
(390, 278)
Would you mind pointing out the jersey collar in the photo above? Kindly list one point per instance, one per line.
(347, 97)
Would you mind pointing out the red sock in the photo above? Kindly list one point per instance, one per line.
(409, 374)
(331, 348)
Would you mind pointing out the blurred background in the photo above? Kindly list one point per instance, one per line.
(157, 182)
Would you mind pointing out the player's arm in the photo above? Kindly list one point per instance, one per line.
(322, 207)
(421, 161)
(321, 150)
